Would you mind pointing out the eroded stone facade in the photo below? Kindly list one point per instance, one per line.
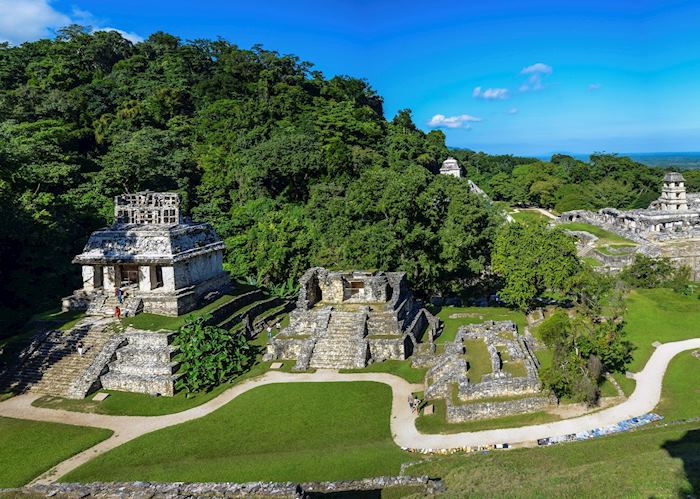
(347, 319)
(164, 265)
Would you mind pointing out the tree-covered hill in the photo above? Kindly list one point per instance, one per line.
(292, 168)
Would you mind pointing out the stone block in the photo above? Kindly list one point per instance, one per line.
(99, 397)
(276, 365)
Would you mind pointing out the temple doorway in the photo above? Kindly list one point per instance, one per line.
(130, 275)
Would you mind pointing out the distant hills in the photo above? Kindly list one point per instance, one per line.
(679, 160)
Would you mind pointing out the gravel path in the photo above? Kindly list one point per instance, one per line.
(645, 397)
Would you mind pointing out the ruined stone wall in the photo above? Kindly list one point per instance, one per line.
(385, 349)
(486, 410)
(181, 490)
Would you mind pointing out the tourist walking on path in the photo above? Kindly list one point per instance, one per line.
(119, 294)
(79, 348)
(117, 312)
(269, 332)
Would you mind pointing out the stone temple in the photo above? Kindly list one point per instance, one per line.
(451, 167)
(347, 319)
(669, 227)
(164, 265)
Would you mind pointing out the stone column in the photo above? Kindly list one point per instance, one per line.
(145, 278)
(88, 277)
(112, 276)
(168, 278)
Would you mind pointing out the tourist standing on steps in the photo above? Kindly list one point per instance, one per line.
(119, 294)
(269, 332)
(79, 348)
(117, 312)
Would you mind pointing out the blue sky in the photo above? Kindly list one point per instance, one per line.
(504, 77)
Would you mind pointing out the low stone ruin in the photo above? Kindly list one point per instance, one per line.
(448, 375)
(344, 320)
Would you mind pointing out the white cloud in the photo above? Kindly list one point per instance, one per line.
(460, 121)
(131, 36)
(512, 110)
(537, 72)
(22, 20)
(594, 86)
(26, 20)
(490, 93)
(537, 68)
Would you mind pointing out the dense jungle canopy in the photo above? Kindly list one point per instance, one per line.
(293, 169)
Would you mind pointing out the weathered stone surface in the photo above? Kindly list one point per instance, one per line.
(180, 490)
(143, 364)
(345, 319)
(485, 410)
(448, 375)
(171, 266)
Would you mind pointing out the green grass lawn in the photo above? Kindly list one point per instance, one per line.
(659, 315)
(592, 261)
(400, 368)
(29, 448)
(604, 236)
(659, 462)
(475, 315)
(478, 358)
(529, 216)
(680, 397)
(291, 431)
(153, 322)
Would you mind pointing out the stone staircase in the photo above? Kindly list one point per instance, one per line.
(144, 364)
(54, 367)
(343, 346)
(383, 323)
(104, 305)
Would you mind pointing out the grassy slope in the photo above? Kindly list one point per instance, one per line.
(297, 431)
(680, 398)
(29, 448)
(603, 235)
(659, 315)
(650, 463)
(529, 216)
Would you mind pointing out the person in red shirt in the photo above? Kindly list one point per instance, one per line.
(117, 312)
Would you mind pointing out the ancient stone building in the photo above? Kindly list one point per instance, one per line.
(347, 319)
(164, 265)
(512, 385)
(670, 226)
(451, 167)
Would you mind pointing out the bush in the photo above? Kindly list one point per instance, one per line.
(210, 355)
(656, 272)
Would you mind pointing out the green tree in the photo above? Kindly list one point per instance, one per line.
(531, 259)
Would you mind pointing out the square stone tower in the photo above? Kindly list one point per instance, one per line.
(673, 196)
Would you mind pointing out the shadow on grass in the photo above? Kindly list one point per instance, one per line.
(687, 449)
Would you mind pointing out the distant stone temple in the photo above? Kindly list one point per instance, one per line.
(451, 167)
(670, 226)
(163, 264)
(347, 319)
